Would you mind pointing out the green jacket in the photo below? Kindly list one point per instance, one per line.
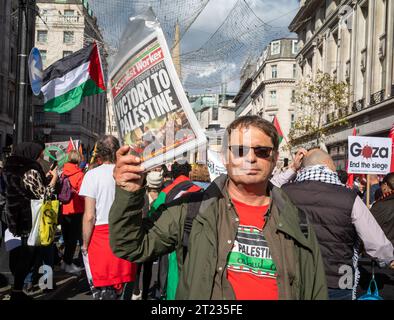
(203, 273)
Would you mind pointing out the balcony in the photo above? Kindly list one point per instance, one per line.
(60, 19)
(377, 97)
(358, 105)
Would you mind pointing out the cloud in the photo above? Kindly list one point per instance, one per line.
(277, 13)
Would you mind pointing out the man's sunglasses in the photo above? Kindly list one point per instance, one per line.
(260, 152)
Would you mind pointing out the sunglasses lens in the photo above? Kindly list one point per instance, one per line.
(239, 151)
(262, 152)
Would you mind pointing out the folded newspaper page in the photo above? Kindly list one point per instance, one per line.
(153, 114)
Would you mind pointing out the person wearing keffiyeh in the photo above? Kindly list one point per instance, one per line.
(339, 217)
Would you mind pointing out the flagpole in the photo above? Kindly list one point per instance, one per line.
(368, 190)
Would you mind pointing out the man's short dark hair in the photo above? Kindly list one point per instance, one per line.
(180, 169)
(389, 179)
(106, 148)
(342, 175)
(255, 121)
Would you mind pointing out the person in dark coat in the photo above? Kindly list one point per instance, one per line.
(25, 180)
(383, 211)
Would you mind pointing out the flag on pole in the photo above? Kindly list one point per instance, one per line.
(350, 177)
(70, 79)
(81, 151)
(94, 154)
(391, 135)
(277, 127)
(70, 146)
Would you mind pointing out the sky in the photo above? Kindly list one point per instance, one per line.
(217, 10)
(276, 13)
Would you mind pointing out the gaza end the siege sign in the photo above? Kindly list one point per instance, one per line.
(369, 155)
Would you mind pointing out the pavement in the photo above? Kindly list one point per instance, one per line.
(68, 287)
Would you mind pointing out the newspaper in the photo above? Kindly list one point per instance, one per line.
(152, 112)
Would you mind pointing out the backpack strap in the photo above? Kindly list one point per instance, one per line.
(193, 208)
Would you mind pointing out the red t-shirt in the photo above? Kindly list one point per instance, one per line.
(250, 268)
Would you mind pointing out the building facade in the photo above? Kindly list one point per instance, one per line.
(214, 113)
(270, 90)
(9, 24)
(62, 28)
(8, 48)
(352, 41)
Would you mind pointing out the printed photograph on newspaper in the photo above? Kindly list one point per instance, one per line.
(153, 114)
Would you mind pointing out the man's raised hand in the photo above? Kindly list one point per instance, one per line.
(128, 172)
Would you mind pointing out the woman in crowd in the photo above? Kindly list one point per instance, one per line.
(109, 273)
(25, 180)
(71, 218)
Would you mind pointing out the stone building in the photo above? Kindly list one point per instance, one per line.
(62, 28)
(9, 74)
(8, 47)
(270, 90)
(353, 41)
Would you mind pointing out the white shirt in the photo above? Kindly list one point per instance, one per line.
(99, 184)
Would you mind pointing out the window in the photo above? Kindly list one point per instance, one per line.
(43, 56)
(68, 12)
(275, 47)
(292, 120)
(294, 47)
(293, 96)
(42, 36)
(65, 117)
(273, 97)
(87, 120)
(66, 53)
(68, 36)
(83, 116)
(39, 117)
(294, 71)
(274, 71)
(215, 113)
(69, 16)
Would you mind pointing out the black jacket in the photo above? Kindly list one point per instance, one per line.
(18, 211)
(383, 211)
(328, 208)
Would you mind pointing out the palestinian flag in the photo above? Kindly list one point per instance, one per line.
(68, 80)
(277, 127)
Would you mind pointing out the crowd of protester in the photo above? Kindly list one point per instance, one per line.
(304, 232)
